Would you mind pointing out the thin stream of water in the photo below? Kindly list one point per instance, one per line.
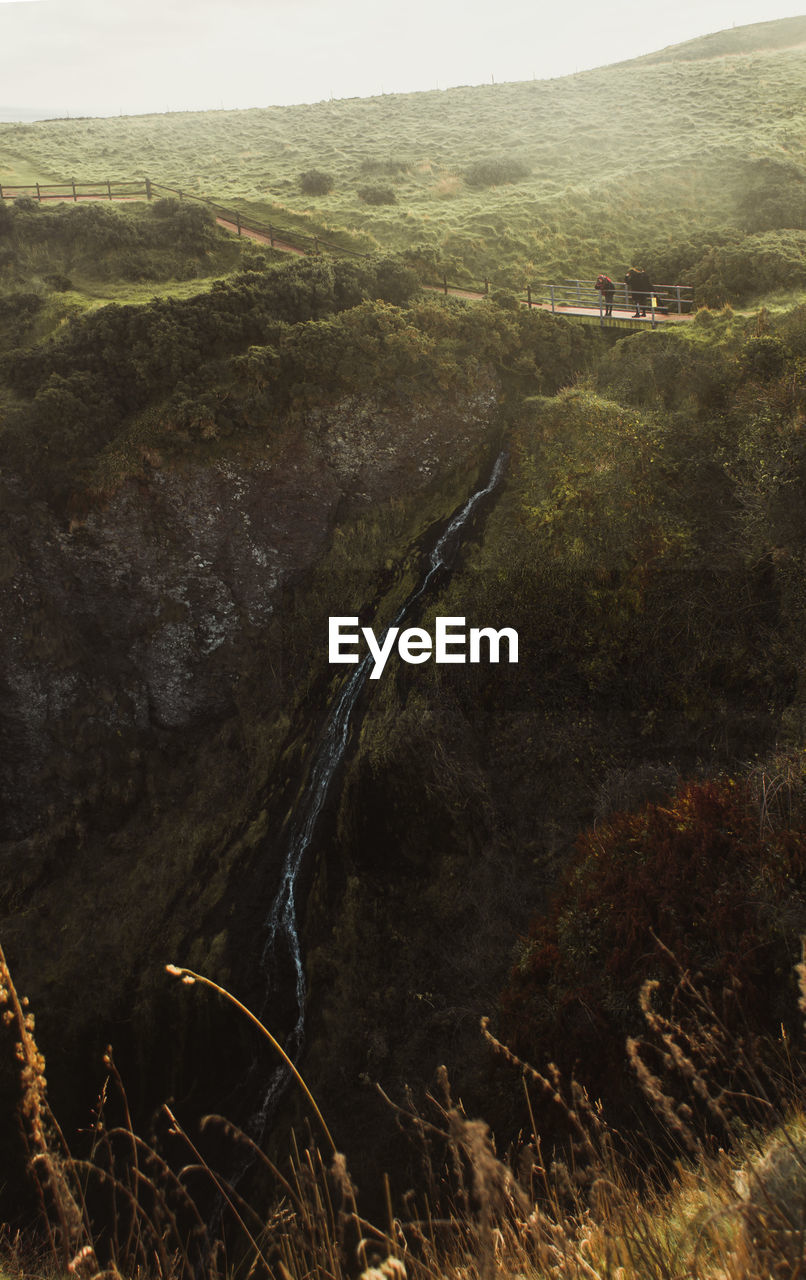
(281, 924)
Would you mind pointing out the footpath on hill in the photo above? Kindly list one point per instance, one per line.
(622, 317)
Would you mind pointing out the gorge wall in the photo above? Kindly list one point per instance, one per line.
(165, 662)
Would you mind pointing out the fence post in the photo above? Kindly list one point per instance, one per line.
(445, 284)
(1, 191)
(679, 300)
(75, 197)
(38, 193)
(148, 188)
(579, 293)
(180, 195)
(551, 292)
(238, 219)
(109, 188)
(271, 236)
(316, 244)
(486, 285)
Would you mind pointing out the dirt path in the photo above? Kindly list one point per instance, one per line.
(586, 313)
(259, 236)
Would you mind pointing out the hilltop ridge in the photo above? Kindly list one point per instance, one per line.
(753, 37)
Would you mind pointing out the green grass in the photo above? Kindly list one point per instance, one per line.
(69, 258)
(16, 170)
(620, 160)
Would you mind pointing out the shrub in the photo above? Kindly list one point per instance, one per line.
(705, 874)
(495, 170)
(193, 227)
(763, 357)
(775, 198)
(389, 166)
(59, 282)
(395, 281)
(165, 207)
(504, 299)
(19, 308)
(751, 266)
(377, 195)
(315, 182)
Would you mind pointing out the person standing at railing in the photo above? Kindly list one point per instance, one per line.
(607, 288)
(639, 287)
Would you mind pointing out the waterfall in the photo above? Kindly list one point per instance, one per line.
(281, 925)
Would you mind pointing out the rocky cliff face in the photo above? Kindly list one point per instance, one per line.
(132, 620)
(149, 679)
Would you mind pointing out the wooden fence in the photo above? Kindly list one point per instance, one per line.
(576, 298)
(76, 191)
(130, 190)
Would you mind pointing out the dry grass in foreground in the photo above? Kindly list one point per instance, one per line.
(734, 1208)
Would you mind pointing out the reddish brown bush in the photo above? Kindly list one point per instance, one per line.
(707, 876)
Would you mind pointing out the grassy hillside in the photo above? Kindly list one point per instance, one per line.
(756, 37)
(56, 262)
(655, 159)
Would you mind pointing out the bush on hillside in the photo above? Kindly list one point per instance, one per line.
(397, 282)
(193, 228)
(763, 357)
(377, 195)
(187, 212)
(504, 299)
(388, 166)
(709, 875)
(58, 282)
(77, 391)
(495, 170)
(19, 308)
(778, 207)
(775, 198)
(729, 267)
(673, 372)
(95, 230)
(751, 266)
(315, 182)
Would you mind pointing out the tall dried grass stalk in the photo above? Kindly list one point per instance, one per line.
(47, 1150)
(725, 1215)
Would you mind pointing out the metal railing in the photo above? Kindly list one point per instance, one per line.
(663, 300)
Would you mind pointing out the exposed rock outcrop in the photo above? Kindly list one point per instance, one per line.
(131, 619)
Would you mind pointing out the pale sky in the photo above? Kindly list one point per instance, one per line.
(107, 57)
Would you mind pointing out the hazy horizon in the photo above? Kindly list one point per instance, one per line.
(94, 58)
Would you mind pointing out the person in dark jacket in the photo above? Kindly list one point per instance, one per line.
(607, 288)
(639, 287)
